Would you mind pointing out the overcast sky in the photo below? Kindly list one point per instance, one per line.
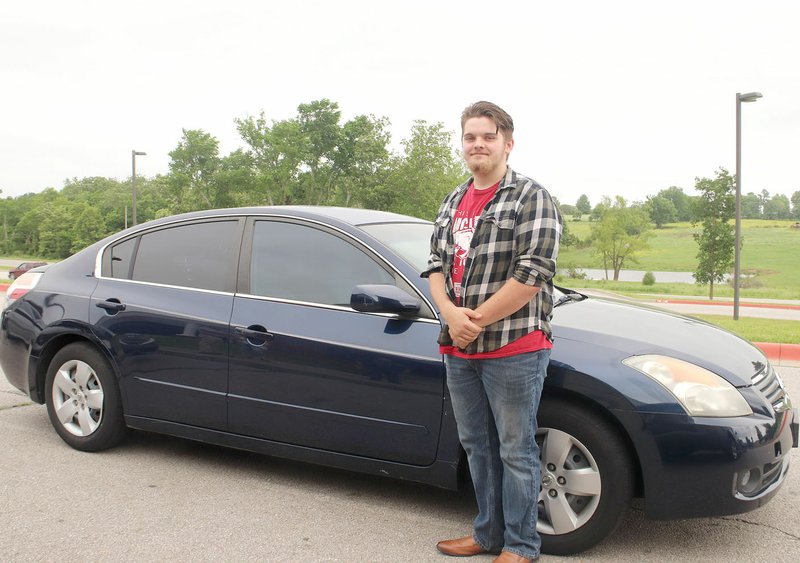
(608, 97)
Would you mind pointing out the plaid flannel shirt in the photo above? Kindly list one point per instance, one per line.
(517, 236)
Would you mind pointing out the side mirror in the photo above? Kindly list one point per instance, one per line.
(383, 299)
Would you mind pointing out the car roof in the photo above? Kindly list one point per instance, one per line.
(351, 216)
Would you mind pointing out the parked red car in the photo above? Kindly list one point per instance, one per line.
(22, 268)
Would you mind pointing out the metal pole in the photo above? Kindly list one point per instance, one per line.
(749, 97)
(134, 154)
(738, 232)
(133, 183)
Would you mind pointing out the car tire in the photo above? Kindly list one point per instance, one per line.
(587, 477)
(11, 276)
(83, 399)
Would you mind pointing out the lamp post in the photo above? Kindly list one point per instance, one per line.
(749, 97)
(134, 154)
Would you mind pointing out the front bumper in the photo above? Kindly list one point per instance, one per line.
(693, 467)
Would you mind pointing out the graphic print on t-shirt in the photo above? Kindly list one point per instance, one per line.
(463, 229)
(466, 217)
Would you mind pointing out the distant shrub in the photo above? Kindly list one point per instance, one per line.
(649, 278)
(574, 273)
(747, 280)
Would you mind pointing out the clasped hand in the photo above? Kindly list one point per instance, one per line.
(462, 326)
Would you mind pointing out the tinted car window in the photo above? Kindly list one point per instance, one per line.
(302, 263)
(201, 255)
(122, 258)
(410, 240)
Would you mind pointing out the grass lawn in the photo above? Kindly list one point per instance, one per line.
(758, 330)
(770, 249)
(639, 290)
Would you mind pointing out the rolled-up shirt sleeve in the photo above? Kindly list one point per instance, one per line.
(435, 259)
(439, 238)
(537, 238)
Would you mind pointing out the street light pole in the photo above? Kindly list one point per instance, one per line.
(134, 154)
(749, 97)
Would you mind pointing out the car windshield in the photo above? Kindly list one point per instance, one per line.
(410, 240)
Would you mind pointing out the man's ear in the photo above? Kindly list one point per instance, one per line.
(509, 147)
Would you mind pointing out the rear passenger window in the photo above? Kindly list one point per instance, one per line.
(200, 255)
(122, 259)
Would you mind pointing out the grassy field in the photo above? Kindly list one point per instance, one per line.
(758, 330)
(770, 250)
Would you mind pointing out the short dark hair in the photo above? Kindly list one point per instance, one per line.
(494, 112)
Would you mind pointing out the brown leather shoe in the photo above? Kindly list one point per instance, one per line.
(461, 547)
(508, 557)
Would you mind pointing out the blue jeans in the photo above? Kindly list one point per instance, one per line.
(495, 403)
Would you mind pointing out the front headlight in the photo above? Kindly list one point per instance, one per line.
(699, 391)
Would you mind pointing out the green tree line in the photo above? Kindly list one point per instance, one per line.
(312, 158)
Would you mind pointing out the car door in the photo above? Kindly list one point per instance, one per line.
(306, 369)
(163, 307)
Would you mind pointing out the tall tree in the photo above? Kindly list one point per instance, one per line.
(661, 210)
(714, 211)
(681, 201)
(312, 159)
(25, 236)
(583, 204)
(426, 171)
(777, 207)
(796, 205)
(193, 167)
(620, 233)
(322, 135)
(362, 157)
(600, 208)
(751, 206)
(88, 227)
(277, 153)
(54, 239)
(235, 180)
(763, 198)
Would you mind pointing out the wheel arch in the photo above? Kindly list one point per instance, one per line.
(597, 409)
(53, 346)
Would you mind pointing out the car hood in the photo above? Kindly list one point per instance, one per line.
(636, 329)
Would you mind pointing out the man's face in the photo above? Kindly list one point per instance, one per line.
(485, 148)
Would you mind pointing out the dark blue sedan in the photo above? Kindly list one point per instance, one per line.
(307, 333)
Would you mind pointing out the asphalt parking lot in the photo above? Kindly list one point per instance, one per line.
(159, 498)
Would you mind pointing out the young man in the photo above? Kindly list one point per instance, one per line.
(493, 257)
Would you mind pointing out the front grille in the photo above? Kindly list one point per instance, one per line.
(769, 383)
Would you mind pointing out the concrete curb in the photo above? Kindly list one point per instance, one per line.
(787, 355)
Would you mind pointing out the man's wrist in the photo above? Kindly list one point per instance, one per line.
(449, 309)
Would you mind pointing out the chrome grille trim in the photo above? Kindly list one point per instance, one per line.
(759, 377)
(771, 386)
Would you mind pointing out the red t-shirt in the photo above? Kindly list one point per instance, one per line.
(469, 210)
